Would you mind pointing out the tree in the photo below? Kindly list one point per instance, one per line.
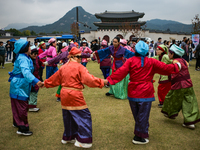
(196, 24)
(74, 29)
(125, 28)
(136, 30)
(33, 33)
(15, 32)
(42, 33)
(55, 32)
(26, 32)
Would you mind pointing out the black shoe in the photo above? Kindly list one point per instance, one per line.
(108, 94)
(58, 99)
(24, 132)
(160, 105)
(139, 140)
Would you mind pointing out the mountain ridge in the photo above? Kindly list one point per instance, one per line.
(64, 23)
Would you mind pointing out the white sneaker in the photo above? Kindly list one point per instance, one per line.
(83, 145)
(65, 142)
(192, 126)
(34, 109)
(24, 133)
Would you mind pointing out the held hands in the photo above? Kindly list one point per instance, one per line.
(105, 81)
(178, 63)
(40, 84)
(175, 61)
(45, 63)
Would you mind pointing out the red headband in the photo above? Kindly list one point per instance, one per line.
(42, 44)
(160, 48)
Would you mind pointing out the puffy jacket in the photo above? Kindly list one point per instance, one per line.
(21, 78)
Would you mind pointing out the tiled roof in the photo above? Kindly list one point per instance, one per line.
(128, 14)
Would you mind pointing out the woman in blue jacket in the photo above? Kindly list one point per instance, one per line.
(21, 79)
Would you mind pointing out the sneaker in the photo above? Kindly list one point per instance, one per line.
(83, 145)
(3, 67)
(65, 142)
(108, 94)
(192, 126)
(139, 140)
(34, 109)
(160, 105)
(24, 133)
(58, 99)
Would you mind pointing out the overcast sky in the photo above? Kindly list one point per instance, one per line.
(49, 11)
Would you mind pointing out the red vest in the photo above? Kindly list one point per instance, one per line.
(182, 79)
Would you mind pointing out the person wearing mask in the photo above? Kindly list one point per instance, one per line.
(86, 50)
(76, 116)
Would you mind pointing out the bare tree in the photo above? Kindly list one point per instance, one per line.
(196, 24)
(125, 28)
(136, 30)
(75, 29)
(139, 31)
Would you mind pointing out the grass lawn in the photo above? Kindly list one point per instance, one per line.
(113, 123)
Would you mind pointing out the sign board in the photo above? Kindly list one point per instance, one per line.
(82, 31)
(195, 39)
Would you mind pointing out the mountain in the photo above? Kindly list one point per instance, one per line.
(64, 23)
(19, 26)
(164, 25)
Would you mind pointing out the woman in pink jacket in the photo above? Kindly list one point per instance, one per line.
(50, 53)
(85, 49)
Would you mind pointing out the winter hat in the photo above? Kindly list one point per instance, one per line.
(20, 45)
(34, 49)
(74, 51)
(104, 42)
(123, 41)
(177, 50)
(142, 48)
(51, 40)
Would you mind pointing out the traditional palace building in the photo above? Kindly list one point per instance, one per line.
(126, 25)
